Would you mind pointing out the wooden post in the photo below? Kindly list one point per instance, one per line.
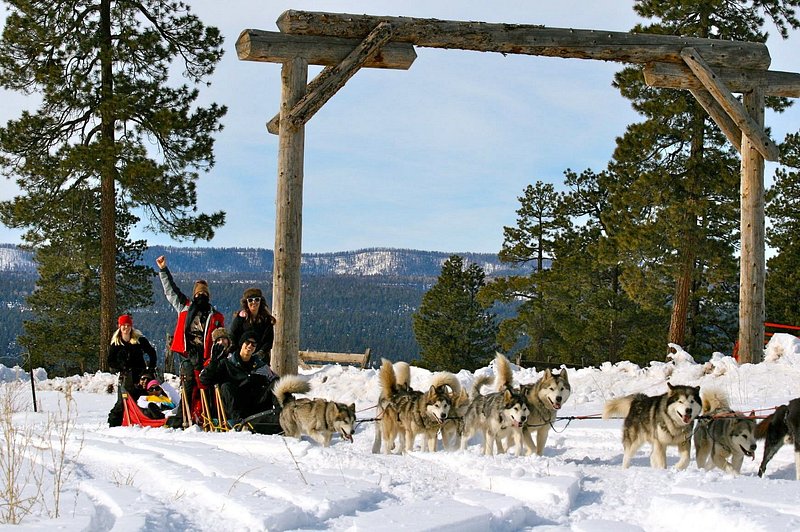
(288, 222)
(752, 266)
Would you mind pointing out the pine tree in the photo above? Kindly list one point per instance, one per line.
(531, 241)
(783, 209)
(109, 128)
(571, 308)
(453, 329)
(676, 192)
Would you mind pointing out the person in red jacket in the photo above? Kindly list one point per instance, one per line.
(192, 339)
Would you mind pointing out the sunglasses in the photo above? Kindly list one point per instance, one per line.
(153, 389)
(248, 342)
(254, 300)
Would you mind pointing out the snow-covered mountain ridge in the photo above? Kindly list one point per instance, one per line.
(364, 262)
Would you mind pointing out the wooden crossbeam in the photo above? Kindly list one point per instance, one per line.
(275, 47)
(273, 124)
(772, 82)
(717, 88)
(719, 116)
(333, 78)
(529, 39)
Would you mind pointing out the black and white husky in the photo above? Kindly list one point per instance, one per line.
(661, 421)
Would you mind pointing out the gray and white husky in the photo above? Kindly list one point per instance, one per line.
(318, 418)
(782, 426)
(544, 398)
(407, 413)
(661, 421)
(498, 416)
(723, 434)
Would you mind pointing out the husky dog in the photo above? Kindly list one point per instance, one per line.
(453, 426)
(782, 426)
(499, 415)
(722, 434)
(661, 420)
(317, 418)
(386, 413)
(408, 412)
(544, 397)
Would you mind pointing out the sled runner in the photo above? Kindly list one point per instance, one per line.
(265, 422)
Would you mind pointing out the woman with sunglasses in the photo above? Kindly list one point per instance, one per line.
(254, 318)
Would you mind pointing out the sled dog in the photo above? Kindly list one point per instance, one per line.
(409, 412)
(317, 418)
(498, 416)
(661, 420)
(453, 426)
(782, 426)
(385, 410)
(544, 398)
(723, 434)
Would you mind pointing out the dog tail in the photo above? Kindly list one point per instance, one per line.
(619, 406)
(480, 382)
(402, 371)
(714, 400)
(445, 378)
(388, 379)
(287, 386)
(503, 374)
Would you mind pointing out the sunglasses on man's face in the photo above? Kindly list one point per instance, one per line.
(254, 300)
(249, 342)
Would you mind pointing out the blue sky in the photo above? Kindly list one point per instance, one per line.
(432, 158)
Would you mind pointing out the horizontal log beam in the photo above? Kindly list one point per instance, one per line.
(754, 132)
(772, 82)
(529, 39)
(275, 47)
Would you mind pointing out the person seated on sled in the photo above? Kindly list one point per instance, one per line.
(245, 381)
(222, 343)
(159, 401)
(132, 355)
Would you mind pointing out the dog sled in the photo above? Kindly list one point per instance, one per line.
(214, 418)
(133, 415)
(266, 422)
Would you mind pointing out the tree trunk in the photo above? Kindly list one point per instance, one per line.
(680, 303)
(108, 222)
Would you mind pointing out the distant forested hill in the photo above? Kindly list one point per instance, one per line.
(349, 300)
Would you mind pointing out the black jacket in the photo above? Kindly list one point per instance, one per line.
(263, 330)
(135, 356)
(234, 370)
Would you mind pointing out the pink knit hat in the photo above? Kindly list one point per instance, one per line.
(152, 383)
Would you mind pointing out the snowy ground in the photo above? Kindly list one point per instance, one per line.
(131, 479)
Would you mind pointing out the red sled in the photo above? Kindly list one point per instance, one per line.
(133, 415)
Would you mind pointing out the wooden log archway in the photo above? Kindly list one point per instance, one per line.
(710, 69)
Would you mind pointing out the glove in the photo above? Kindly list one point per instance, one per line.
(218, 352)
